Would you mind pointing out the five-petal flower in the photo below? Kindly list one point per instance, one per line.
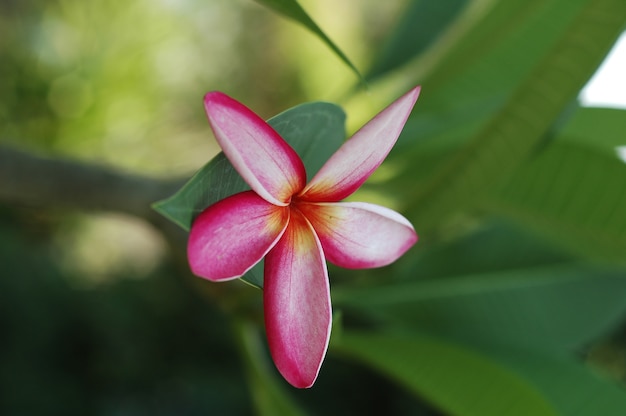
(296, 226)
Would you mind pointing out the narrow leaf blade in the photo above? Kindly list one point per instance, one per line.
(293, 10)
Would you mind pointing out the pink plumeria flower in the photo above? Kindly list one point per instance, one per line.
(297, 226)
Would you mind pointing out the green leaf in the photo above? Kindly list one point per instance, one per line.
(572, 388)
(572, 190)
(455, 379)
(314, 130)
(599, 129)
(496, 246)
(293, 10)
(503, 144)
(215, 181)
(574, 195)
(472, 81)
(552, 307)
(503, 46)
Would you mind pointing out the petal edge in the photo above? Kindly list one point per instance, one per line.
(358, 235)
(358, 157)
(265, 161)
(296, 297)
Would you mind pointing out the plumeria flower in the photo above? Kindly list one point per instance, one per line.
(297, 226)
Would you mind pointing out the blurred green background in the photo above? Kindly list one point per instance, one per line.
(513, 301)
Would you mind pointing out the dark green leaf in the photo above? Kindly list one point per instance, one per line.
(455, 379)
(314, 130)
(419, 26)
(215, 181)
(293, 10)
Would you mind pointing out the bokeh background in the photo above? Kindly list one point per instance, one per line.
(98, 311)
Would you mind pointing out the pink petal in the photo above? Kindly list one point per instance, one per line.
(359, 235)
(234, 234)
(297, 303)
(357, 158)
(264, 160)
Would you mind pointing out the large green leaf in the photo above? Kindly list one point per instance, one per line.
(293, 10)
(501, 146)
(551, 307)
(572, 190)
(314, 130)
(473, 80)
(503, 46)
(453, 378)
(573, 194)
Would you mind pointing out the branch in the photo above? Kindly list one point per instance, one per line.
(30, 180)
(26, 179)
(33, 180)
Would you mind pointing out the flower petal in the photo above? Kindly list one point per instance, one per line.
(358, 157)
(264, 160)
(234, 234)
(297, 303)
(359, 235)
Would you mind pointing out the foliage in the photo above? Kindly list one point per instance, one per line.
(513, 187)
